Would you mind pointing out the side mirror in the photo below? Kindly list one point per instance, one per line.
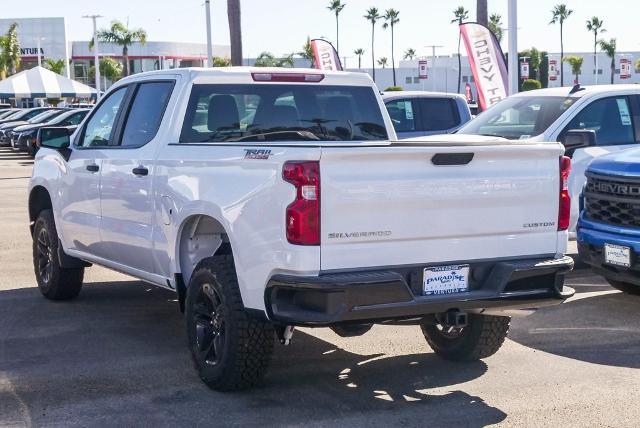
(578, 138)
(56, 138)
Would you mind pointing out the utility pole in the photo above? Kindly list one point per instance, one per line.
(207, 8)
(39, 58)
(433, 64)
(96, 55)
(513, 46)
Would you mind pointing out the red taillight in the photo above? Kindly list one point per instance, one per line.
(303, 214)
(287, 77)
(564, 210)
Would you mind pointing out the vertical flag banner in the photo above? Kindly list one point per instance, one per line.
(524, 70)
(325, 55)
(553, 70)
(487, 63)
(625, 68)
(422, 69)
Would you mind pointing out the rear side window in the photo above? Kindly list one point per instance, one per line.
(402, 115)
(438, 114)
(146, 113)
(282, 112)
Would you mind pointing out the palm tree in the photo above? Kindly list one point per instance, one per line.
(595, 25)
(57, 66)
(235, 31)
(560, 13)
(482, 12)
(637, 64)
(109, 68)
(409, 54)
(372, 16)
(495, 25)
(336, 7)
(359, 52)
(391, 19)
(461, 14)
(10, 55)
(382, 62)
(307, 53)
(219, 61)
(121, 35)
(267, 59)
(576, 64)
(610, 48)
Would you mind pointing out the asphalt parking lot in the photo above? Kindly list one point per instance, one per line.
(117, 356)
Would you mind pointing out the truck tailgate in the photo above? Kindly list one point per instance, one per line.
(432, 203)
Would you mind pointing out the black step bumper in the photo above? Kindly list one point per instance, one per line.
(380, 295)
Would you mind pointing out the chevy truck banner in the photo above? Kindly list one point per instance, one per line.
(325, 55)
(487, 63)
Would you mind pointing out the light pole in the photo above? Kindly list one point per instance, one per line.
(96, 55)
(207, 9)
(38, 47)
(513, 47)
(433, 64)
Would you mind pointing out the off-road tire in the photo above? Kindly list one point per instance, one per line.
(54, 282)
(480, 338)
(625, 287)
(245, 343)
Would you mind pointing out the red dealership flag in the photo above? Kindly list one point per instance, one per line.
(325, 55)
(487, 63)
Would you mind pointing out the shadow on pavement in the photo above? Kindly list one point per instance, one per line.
(118, 355)
(603, 329)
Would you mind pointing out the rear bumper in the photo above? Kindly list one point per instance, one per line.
(591, 242)
(373, 296)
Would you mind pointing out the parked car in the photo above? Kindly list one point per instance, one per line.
(261, 219)
(609, 226)
(419, 113)
(20, 117)
(567, 115)
(8, 112)
(23, 138)
(6, 129)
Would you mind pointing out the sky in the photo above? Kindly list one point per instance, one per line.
(282, 26)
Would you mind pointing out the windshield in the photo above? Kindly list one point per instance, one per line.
(45, 116)
(282, 112)
(519, 117)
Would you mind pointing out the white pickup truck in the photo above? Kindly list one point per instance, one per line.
(274, 198)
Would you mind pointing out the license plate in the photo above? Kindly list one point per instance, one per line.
(445, 280)
(617, 255)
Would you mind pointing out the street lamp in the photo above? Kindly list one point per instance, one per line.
(95, 52)
(513, 46)
(38, 48)
(207, 9)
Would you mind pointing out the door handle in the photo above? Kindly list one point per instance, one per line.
(93, 168)
(140, 171)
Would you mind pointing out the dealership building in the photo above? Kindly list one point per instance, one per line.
(47, 37)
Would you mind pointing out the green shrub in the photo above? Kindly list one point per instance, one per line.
(394, 89)
(531, 84)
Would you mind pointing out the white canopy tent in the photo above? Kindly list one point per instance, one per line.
(38, 82)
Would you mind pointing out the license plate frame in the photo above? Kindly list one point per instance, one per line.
(445, 280)
(617, 255)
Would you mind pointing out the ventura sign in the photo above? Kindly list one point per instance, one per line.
(30, 51)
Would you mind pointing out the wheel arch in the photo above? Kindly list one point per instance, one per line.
(39, 200)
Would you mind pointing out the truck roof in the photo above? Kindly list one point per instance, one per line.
(240, 74)
(584, 90)
(420, 94)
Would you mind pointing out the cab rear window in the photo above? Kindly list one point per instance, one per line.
(282, 112)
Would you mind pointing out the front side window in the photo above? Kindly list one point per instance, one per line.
(146, 113)
(519, 117)
(402, 116)
(282, 112)
(610, 118)
(100, 127)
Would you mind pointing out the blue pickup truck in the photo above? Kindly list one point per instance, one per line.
(609, 225)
